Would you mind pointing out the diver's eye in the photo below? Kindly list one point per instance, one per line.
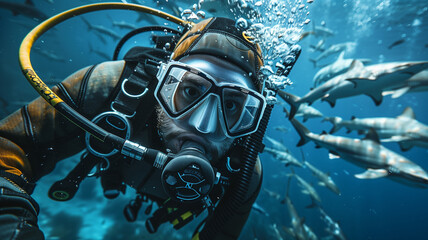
(192, 92)
(230, 106)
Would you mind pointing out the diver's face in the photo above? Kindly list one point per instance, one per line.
(203, 125)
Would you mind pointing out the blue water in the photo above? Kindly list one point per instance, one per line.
(366, 209)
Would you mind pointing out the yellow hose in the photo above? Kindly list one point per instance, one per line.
(27, 43)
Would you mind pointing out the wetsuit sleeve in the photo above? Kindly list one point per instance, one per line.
(34, 138)
(232, 228)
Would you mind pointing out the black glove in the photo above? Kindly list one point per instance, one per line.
(18, 213)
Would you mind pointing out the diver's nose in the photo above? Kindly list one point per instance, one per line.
(205, 117)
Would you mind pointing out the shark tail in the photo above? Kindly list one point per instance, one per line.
(302, 131)
(292, 100)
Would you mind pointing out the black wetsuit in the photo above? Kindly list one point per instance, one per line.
(34, 138)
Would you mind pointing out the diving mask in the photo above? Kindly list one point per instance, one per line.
(185, 92)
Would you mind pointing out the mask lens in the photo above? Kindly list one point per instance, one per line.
(242, 110)
(183, 89)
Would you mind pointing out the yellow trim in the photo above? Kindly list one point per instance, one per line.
(196, 236)
(186, 215)
(27, 43)
(174, 222)
(183, 216)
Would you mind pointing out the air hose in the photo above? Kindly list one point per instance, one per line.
(229, 205)
(50, 96)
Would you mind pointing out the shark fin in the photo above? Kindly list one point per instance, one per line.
(405, 146)
(341, 56)
(372, 174)
(376, 97)
(348, 131)
(397, 93)
(287, 114)
(324, 133)
(353, 117)
(333, 155)
(407, 113)
(372, 135)
(330, 101)
(317, 146)
(302, 131)
(292, 100)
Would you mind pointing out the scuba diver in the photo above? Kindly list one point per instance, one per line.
(191, 101)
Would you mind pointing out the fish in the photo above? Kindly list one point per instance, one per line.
(122, 24)
(333, 227)
(272, 194)
(304, 110)
(49, 55)
(417, 83)
(26, 9)
(101, 29)
(404, 129)
(277, 145)
(281, 129)
(256, 207)
(396, 43)
(283, 157)
(297, 230)
(367, 153)
(325, 180)
(319, 46)
(333, 49)
(320, 91)
(340, 66)
(276, 232)
(373, 80)
(307, 188)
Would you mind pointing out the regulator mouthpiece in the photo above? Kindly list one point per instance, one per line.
(188, 176)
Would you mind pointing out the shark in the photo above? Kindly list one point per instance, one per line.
(325, 180)
(297, 230)
(272, 194)
(319, 92)
(333, 49)
(101, 29)
(257, 208)
(307, 188)
(49, 55)
(303, 110)
(283, 157)
(340, 66)
(277, 144)
(404, 129)
(374, 79)
(281, 128)
(333, 227)
(26, 9)
(367, 153)
(417, 83)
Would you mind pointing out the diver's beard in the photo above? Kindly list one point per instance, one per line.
(171, 135)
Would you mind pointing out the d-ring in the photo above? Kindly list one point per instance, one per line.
(132, 95)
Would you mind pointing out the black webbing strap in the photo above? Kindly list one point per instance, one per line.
(132, 89)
